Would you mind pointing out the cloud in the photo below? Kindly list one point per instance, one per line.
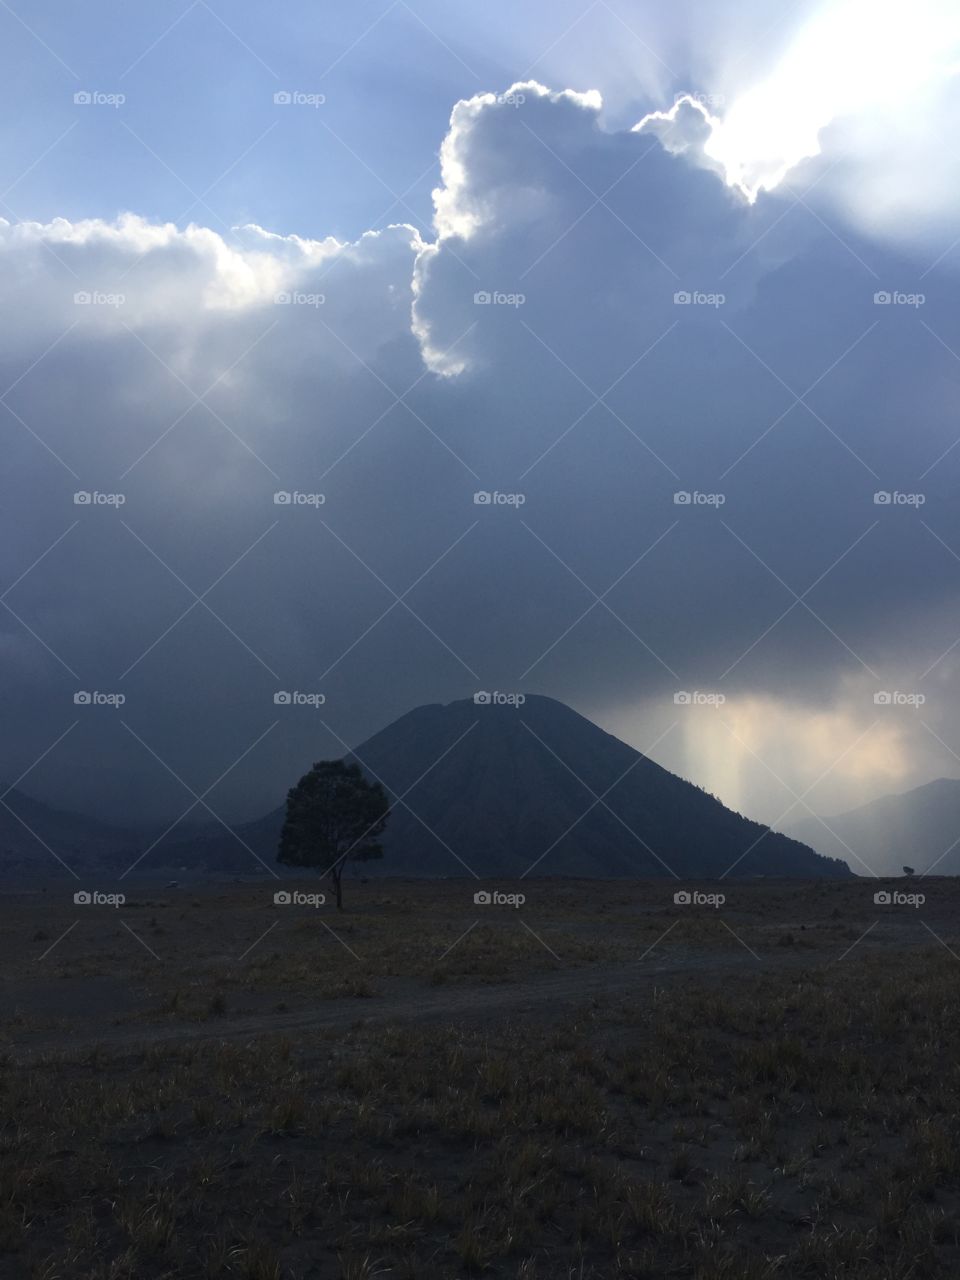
(600, 328)
(781, 758)
(857, 96)
(868, 89)
(847, 59)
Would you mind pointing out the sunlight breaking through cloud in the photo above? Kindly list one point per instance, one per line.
(853, 59)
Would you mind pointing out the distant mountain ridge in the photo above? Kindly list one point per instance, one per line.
(504, 791)
(37, 839)
(919, 828)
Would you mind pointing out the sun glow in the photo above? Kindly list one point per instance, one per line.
(856, 58)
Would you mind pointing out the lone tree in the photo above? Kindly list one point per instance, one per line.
(909, 871)
(333, 814)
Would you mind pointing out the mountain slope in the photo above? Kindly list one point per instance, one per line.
(504, 791)
(36, 839)
(498, 790)
(920, 827)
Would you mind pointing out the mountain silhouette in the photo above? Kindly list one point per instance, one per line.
(538, 789)
(920, 828)
(486, 790)
(503, 790)
(37, 840)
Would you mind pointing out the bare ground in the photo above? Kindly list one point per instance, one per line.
(599, 1083)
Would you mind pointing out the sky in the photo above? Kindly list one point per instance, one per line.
(675, 290)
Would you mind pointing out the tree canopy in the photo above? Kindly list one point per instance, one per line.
(334, 814)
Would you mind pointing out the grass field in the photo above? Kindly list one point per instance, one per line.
(600, 1083)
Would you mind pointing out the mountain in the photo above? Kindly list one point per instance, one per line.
(36, 840)
(920, 828)
(494, 790)
(501, 790)
(40, 842)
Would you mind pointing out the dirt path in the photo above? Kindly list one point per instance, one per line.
(540, 996)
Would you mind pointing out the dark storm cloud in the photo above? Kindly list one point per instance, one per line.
(585, 384)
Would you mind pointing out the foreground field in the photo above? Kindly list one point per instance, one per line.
(599, 1083)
